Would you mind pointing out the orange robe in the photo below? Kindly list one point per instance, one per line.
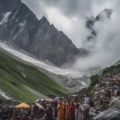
(67, 116)
(60, 112)
(64, 111)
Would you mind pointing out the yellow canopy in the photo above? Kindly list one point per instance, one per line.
(22, 106)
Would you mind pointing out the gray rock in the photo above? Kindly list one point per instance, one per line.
(110, 114)
(115, 103)
(92, 114)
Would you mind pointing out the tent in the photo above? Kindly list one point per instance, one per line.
(22, 106)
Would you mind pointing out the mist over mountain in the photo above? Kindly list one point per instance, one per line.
(102, 41)
(102, 16)
(20, 27)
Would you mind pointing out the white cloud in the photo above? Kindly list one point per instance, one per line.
(105, 49)
(74, 28)
(70, 17)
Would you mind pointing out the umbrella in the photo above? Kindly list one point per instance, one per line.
(39, 106)
(22, 106)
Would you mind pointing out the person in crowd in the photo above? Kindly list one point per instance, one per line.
(96, 103)
(14, 114)
(43, 103)
(100, 84)
(34, 111)
(60, 111)
(91, 104)
(87, 99)
(115, 90)
(79, 112)
(64, 110)
(103, 86)
(67, 115)
(109, 93)
(49, 115)
(107, 84)
(86, 111)
(105, 104)
(118, 89)
(53, 111)
(101, 103)
(72, 111)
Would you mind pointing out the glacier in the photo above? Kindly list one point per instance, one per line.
(52, 69)
(72, 79)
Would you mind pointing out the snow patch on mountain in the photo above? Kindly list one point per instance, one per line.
(4, 95)
(5, 18)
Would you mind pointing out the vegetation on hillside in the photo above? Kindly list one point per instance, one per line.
(110, 69)
(15, 75)
(95, 78)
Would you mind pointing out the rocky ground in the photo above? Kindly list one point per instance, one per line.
(111, 110)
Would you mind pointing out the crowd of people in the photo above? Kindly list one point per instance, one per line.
(110, 84)
(71, 107)
(60, 109)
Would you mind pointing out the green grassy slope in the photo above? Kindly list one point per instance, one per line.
(14, 75)
(115, 65)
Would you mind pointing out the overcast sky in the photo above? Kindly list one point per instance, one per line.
(70, 16)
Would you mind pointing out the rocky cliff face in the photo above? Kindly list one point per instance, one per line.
(20, 27)
(49, 43)
(8, 6)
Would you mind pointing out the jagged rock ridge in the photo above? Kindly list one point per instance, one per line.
(20, 27)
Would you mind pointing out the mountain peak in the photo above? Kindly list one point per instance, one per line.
(43, 17)
(43, 20)
(106, 13)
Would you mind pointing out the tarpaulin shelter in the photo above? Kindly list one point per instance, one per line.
(22, 106)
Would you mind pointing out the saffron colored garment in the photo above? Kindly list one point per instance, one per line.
(67, 116)
(60, 112)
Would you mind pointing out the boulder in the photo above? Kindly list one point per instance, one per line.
(110, 114)
(92, 112)
(115, 103)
